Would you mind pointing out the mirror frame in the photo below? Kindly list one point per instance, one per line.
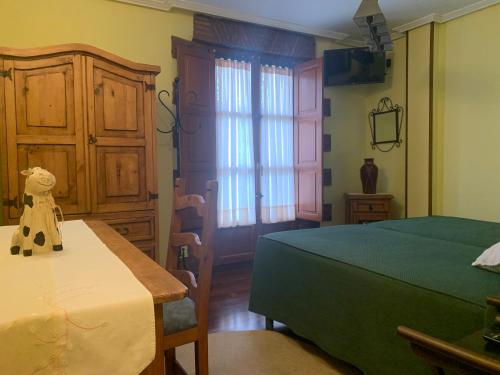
(385, 106)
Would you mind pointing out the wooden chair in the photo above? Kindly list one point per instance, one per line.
(472, 359)
(186, 321)
(441, 355)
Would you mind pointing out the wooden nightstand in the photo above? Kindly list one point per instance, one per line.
(365, 208)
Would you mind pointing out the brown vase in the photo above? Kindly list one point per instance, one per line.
(369, 174)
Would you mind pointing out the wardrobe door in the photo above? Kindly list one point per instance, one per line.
(44, 128)
(3, 152)
(120, 137)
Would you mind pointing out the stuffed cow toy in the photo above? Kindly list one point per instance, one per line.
(38, 227)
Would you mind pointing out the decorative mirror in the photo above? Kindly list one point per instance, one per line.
(385, 125)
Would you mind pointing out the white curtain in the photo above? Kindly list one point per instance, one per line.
(276, 145)
(234, 148)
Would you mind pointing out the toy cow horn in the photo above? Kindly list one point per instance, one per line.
(27, 172)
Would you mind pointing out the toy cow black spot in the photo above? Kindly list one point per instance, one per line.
(28, 200)
(38, 227)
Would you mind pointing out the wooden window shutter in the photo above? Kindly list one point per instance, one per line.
(196, 69)
(307, 136)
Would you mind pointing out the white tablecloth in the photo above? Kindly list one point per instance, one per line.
(77, 311)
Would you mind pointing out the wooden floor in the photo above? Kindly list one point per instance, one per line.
(229, 298)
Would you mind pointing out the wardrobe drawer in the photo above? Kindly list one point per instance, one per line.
(134, 229)
(148, 248)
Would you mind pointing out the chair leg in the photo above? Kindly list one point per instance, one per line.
(201, 355)
(170, 361)
(437, 370)
(269, 324)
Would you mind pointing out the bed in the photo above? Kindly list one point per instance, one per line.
(347, 288)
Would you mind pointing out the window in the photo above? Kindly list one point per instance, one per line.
(234, 143)
(235, 148)
(238, 115)
(276, 145)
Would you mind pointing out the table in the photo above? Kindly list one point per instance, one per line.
(162, 285)
(365, 208)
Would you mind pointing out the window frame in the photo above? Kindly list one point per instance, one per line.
(256, 58)
(256, 61)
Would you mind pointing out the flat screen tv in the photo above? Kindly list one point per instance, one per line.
(353, 66)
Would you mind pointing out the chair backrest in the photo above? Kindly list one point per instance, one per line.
(202, 250)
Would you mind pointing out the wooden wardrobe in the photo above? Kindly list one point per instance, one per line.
(88, 117)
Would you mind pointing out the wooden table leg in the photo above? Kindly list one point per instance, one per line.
(157, 367)
(159, 362)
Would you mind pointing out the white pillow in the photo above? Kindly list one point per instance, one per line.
(489, 259)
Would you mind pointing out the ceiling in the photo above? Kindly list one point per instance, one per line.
(329, 18)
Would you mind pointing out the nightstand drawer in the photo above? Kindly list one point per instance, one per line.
(370, 206)
(363, 218)
(365, 208)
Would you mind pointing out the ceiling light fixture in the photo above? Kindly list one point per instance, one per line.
(373, 26)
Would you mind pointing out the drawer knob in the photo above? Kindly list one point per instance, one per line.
(370, 207)
(123, 231)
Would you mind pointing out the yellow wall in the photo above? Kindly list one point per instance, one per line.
(346, 125)
(467, 117)
(136, 33)
(466, 125)
(466, 128)
(466, 94)
(351, 135)
(347, 128)
(391, 164)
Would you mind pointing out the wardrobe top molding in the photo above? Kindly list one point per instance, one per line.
(84, 49)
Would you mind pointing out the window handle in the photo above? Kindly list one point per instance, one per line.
(259, 169)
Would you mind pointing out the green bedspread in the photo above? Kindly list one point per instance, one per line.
(347, 288)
